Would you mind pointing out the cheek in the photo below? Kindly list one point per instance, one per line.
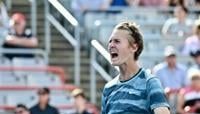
(125, 52)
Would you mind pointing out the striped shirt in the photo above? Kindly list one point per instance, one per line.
(138, 95)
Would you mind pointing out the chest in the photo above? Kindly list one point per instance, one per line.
(127, 99)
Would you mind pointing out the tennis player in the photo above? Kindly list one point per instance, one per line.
(133, 91)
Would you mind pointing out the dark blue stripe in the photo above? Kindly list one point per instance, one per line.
(126, 108)
(125, 95)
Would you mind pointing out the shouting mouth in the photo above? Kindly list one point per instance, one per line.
(114, 55)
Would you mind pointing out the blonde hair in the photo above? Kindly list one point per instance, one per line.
(194, 73)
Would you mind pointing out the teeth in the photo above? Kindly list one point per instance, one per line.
(113, 52)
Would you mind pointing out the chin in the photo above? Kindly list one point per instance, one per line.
(115, 64)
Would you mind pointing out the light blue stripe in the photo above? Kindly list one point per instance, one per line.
(127, 90)
(131, 102)
(115, 111)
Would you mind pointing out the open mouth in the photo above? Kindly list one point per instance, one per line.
(114, 55)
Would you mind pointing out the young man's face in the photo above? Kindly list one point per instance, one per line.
(44, 98)
(119, 47)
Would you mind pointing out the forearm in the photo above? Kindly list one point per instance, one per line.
(13, 40)
(32, 42)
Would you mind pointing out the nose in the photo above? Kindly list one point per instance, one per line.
(111, 45)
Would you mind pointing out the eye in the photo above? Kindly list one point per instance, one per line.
(110, 41)
(117, 41)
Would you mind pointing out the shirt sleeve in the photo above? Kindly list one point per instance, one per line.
(156, 95)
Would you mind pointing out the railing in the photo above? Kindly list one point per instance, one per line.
(25, 51)
(75, 42)
(57, 70)
(95, 66)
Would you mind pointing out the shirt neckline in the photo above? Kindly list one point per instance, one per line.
(131, 77)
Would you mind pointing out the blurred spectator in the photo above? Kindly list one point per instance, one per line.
(80, 6)
(197, 3)
(171, 73)
(192, 43)
(19, 36)
(21, 109)
(121, 3)
(193, 3)
(151, 2)
(43, 106)
(4, 22)
(80, 101)
(173, 3)
(189, 97)
(196, 56)
(179, 25)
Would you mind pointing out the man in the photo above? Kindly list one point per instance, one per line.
(43, 106)
(19, 36)
(133, 91)
(171, 74)
(80, 101)
(21, 109)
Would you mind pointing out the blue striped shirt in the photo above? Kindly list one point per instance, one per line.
(139, 95)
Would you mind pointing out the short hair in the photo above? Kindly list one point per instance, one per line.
(183, 8)
(43, 90)
(21, 106)
(136, 36)
(78, 92)
(18, 17)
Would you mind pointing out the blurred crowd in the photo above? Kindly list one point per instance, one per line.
(43, 105)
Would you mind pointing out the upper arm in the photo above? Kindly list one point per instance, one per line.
(156, 95)
(161, 110)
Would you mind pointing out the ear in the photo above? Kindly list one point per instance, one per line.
(134, 47)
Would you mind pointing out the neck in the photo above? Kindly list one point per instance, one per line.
(42, 106)
(181, 20)
(128, 70)
(171, 66)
